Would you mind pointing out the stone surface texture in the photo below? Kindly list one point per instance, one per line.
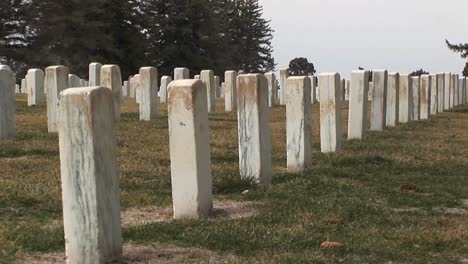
(284, 74)
(165, 81)
(149, 91)
(181, 73)
(425, 97)
(357, 116)
(35, 81)
(416, 97)
(95, 73)
(393, 92)
(230, 91)
(112, 79)
(330, 112)
(7, 104)
(56, 80)
(207, 76)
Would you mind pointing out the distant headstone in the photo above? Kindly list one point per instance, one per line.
(405, 99)
(165, 81)
(284, 74)
(253, 117)
(95, 74)
(112, 79)
(434, 94)
(207, 77)
(272, 89)
(425, 97)
(149, 89)
(230, 91)
(90, 178)
(441, 92)
(56, 80)
(330, 112)
(189, 149)
(416, 93)
(74, 81)
(298, 124)
(217, 86)
(357, 116)
(447, 89)
(7, 104)
(181, 74)
(35, 81)
(393, 93)
(379, 102)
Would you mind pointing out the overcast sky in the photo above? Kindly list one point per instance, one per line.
(341, 35)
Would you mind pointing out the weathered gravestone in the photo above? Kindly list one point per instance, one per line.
(148, 90)
(298, 124)
(7, 104)
(393, 92)
(416, 94)
(379, 102)
(112, 79)
(181, 73)
(35, 80)
(230, 91)
(95, 73)
(189, 149)
(253, 117)
(434, 94)
(272, 89)
(425, 97)
(357, 116)
(56, 80)
(330, 112)
(165, 81)
(90, 178)
(405, 99)
(207, 77)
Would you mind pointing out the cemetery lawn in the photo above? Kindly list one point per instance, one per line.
(400, 196)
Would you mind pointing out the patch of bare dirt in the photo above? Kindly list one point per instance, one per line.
(149, 254)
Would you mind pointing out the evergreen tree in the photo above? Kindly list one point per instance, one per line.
(458, 48)
(301, 67)
(419, 73)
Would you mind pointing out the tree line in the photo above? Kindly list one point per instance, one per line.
(197, 34)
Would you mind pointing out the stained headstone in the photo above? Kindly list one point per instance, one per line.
(330, 112)
(181, 74)
(440, 92)
(425, 97)
(230, 91)
(112, 79)
(148, 90)
(405, 99)
(434, 94)
(254, 129)
(90, 178)
(393, 92)
(56, 80)
(416, 95)
(379, 102)
(447, 89)
(357, 117)
(298, 124)
(7, 104)
(272, 89)
(189, 149)
(207, 77)
(35, 81)
(284, 74)
(165, 81)
(95, 74)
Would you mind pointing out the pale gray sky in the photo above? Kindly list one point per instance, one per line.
(341, 35)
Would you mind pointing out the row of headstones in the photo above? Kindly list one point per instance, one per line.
(88, 151)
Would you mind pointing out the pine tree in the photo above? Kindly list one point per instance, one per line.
(458, 48)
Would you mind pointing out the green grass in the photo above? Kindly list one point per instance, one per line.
(361, 185)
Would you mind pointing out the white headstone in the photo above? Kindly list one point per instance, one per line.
(434, 94)
(217, 86)
(284, 74)
(330, 112)
(425, 97)
(165, 81)
(181, 74)
(379, 102)
(7, 104)
(447, 87)
(56, 80)
(230, 91)
(298, 124)
(112, 79)
(189, 149)
(207, 77)
(405, 99)
(90, 178)
(313, 87)
(35, 81)
(137, 81)
(149, 90)
(357, 117)
(416, 92)
(95, 73)
(253, 117)
(272, 89)
(73, 81)
(24, 85)
(393, 92)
